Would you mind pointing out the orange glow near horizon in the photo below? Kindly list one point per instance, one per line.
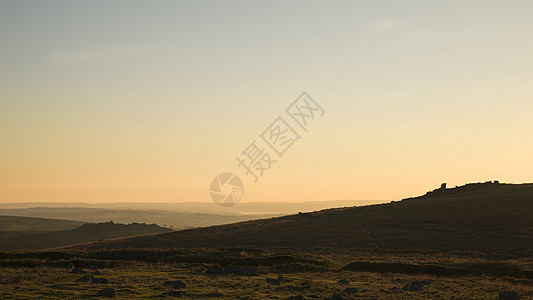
(411, 98)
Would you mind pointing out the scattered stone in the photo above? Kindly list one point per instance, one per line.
(99, 280)
(107, 292)
(415, 286)
(85, 278)
(336, 297)
(215, 269)
(97, 272)
(70, 266)
(172, 294)
(386, 274)
(178, 284)
(78, 271)
(281, 278)
(508, 295)
(343, 281)
(272, 281)
(349, 291)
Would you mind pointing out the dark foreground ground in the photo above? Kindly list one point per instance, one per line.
(246, 273)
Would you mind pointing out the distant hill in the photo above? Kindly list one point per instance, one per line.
(12, 223)
(178, 220)
(173, 215)
(487, 218)
(34, 240)
(249, 208)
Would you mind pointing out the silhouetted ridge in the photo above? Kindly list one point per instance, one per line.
(479, 188)
(489, 218)
(111, 229)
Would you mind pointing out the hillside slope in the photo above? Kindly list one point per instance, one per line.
(34, 240)
(487, 218)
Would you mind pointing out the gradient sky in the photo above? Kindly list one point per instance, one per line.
(107, 101)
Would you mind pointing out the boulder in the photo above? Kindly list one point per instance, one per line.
(415, 286)
(272, 281)
(343, 281)
(99, 280)
(508, 295)
(107, 292)
(215, 269)
(336, 297)
(78, 271)
(70, 266)
(85, 278)
(178, 284)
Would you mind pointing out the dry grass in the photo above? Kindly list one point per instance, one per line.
(138, 279)
(143, 282)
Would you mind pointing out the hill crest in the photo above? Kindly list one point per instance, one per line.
(486, 220)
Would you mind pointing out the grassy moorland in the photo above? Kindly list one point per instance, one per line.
(470, 242)
(141, 274)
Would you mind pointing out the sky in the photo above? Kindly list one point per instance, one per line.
(148, 101)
